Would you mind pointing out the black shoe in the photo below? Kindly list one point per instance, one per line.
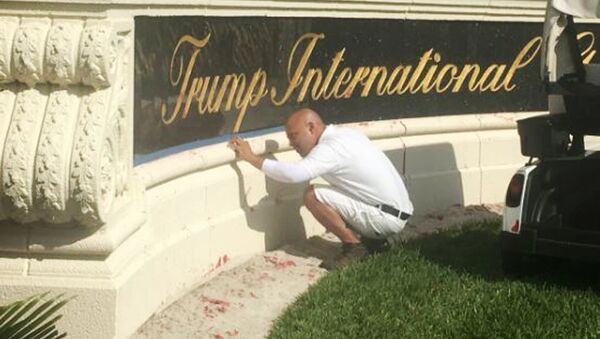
(350, 253)
(375, 245)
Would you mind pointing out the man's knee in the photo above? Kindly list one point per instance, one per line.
(309, 196)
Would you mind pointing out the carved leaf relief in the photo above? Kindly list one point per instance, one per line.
(28, 52)
(87, 159)
(7, 99)
(53, 156)
(98, 56)
(61, 53)
(19, 155)
(8, 26)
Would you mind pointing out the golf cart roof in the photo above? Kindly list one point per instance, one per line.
(560, 54)
(578, 8)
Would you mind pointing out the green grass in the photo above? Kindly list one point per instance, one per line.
(446, 285)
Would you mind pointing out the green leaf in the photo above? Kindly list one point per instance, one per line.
(45, 332)
(10, 310)
(17, 313)
(33, 320)
(44, 329)
(30, 318)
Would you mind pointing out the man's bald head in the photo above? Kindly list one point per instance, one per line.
(303, 116)
(304, 128)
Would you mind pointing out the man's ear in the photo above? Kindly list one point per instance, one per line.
(311, 127)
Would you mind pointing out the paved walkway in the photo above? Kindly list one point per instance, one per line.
(243, 301)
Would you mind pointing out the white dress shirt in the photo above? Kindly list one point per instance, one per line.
(350, 162)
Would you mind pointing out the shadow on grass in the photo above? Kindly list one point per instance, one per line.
(475, 250)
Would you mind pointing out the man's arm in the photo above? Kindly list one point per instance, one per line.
(277, 170)
(244, 152)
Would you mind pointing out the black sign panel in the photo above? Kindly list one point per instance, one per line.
(198, 78)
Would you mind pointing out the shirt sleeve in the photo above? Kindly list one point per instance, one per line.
(285, 172)
(321, 160)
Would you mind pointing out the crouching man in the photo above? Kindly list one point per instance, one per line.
(366, 195)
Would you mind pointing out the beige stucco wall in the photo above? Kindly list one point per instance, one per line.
(205, 212)
(174, 222)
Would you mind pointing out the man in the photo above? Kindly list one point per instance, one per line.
(366, 196)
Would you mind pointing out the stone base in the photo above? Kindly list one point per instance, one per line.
(114, 295)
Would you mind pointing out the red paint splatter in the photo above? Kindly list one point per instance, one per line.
(279, 263)
(232, 333)
(215, 301)
(218, 336)
(214, 305)
(222, 261)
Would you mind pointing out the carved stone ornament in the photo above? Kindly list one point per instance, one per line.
(62, 48)
(101, 159)
(8, 26)
(19, 154)
(54, 156)
(7, 100)
(28, 50)
(119, 125)
(98, 55)
(90, 161)
(65, 154)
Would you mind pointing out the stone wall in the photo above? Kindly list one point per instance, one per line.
(77, 217)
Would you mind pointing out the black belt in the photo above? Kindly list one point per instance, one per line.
(393, 211)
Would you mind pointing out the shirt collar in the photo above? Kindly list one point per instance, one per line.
(327, 132)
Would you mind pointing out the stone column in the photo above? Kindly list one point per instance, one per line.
(66, 135)
(68, 196)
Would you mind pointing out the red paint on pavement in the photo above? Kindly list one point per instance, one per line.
(232, 333)
(278, 262)
(214, 305)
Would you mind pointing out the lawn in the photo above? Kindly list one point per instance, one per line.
(447, 285)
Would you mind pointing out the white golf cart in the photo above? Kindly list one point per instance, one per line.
(553, 203)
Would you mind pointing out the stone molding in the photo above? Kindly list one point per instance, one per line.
(66, 125)
(7, 99)
(480, 10)
(61, 52)
(62, 49)
(19, 154)
(28, 50)
(98, 55)
(157, 172)
(53, 156)
(8, 26)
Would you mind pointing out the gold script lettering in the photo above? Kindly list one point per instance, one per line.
(296, 78)
(197, 44)
(243, 91)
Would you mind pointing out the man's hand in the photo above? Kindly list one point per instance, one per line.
(244, 152)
